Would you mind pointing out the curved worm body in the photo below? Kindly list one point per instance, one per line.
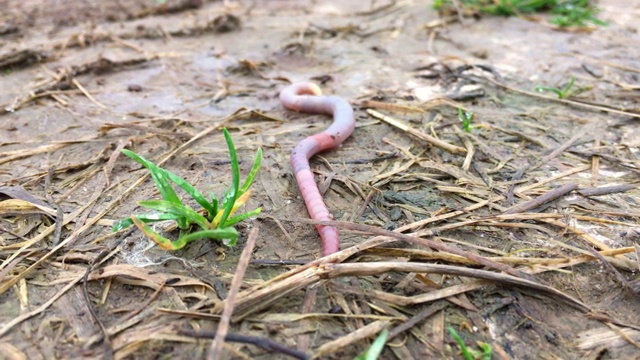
(306, 97)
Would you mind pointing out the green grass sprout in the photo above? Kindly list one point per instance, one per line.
(577, 13)
(215, 220)
(232, 192)
(466, 117)
(567, 13)
(468, 353)
(376, 348)
(567, 92)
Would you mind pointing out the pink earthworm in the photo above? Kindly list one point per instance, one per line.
(307, 97)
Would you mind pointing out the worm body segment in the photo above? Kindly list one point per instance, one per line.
(307, 97)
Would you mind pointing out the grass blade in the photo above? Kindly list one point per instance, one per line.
(214, 204)
(230, 199)
(162, 242)
(184, 212)
(466, 353)
(160, 179)
(552, 89)
(252, 173)
(240, 201)
(146, 218)
(236, 219)
(192, 191)
(486, 351)
(376, 348)
(219, 234)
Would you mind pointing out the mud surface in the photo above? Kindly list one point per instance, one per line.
(80, 80)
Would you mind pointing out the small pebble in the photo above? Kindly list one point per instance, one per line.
(134, 88)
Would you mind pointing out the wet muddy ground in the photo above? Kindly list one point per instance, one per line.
(81, 80)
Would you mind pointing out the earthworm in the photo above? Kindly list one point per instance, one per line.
(307, 97)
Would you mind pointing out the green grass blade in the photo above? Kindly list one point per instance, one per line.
(376, 348)
(570, 85)
(219, 234)
(192, 191)
(159, 178)
(486, 351)
(552, 89)
(161, 241)
(230, 199)
(147, 218)
(465, 117)
(466, 354)
(122, 224)
(214, 204)
(236, 219)
(252, 174)
(158, 175)
(183, 211)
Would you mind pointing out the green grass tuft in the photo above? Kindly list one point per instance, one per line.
(214, 219)
(567, 13)
(566, 92)
(465, 117)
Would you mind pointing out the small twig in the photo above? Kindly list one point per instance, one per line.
(57, 232)
(629, 164)
(391, 107)
(215, 351)
(365, 204)
(22, 100)
(605, 62)
(542, 199)
(108, 354)
(103, 256)
(469, 146)
(284, 231)
(391, 155)
(623, 335)
(308, 305)
(257, 341)
(423, 242)
(419, 134)
(112, 161)
(621, 279)
(87, 94)
(606, 318)
(146, 304)
(120, 326)
(282, 262)
(595, 159)
(598, 191)
(367, 331)
(418, 318)
(555, 153)
(14, 262)
(364, 269)
(130, 45)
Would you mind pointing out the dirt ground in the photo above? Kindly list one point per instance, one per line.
(554, 280)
